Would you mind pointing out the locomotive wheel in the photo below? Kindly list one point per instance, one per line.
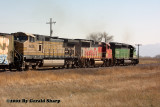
(73, 66)
(81, 65)
(21, 67)
(65, 66)
(107, 63)
(91, 63)
(110, 63)
(87, 65)
(34, 67)
(4, 69)
(26, 67)
(70, 66)
(10, 67)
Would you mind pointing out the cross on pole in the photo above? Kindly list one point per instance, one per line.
(51, 31)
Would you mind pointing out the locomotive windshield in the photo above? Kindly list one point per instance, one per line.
(21, 38)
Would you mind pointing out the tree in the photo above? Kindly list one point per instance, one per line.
(97, 37)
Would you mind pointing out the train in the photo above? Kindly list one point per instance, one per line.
(22, 51)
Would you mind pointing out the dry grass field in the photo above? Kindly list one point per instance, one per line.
(149, 60)
(129, 86)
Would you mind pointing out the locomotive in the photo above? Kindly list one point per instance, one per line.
(22, 50)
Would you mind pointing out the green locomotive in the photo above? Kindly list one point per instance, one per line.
(123, 54)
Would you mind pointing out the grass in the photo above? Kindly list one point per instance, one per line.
(149, 60)
(131, 86)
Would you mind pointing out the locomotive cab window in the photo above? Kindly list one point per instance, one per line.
(31, 39)
(21, 38)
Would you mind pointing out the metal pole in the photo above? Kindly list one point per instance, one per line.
(138, 49)
(50, 27)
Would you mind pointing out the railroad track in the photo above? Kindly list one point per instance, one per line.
(61, 69)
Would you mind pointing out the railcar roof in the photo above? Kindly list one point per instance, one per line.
(3, 34)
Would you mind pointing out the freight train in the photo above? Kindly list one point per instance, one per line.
(22, 51)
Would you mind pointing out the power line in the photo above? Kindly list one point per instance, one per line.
(27, 22)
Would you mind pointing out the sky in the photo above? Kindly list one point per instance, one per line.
(129, 21)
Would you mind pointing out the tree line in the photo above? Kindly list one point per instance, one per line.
(99, 36)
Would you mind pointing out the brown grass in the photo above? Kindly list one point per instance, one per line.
(149, 60)
(114, 87)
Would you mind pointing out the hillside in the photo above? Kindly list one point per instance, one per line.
(150, 50)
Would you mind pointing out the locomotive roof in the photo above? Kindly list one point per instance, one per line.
(85, 40)
(117, 43)
(55, 37)
(48, 38)
(121, 44)
(38, 35)
(28, 34)
(69, 40)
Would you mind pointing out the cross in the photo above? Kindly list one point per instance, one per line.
(51, 31)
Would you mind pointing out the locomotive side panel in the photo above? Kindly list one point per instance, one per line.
(92, 52)
(122, 53)
(53, 49)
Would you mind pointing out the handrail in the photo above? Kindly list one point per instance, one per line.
(20, 55)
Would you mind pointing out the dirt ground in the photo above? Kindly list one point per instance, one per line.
(124, 86)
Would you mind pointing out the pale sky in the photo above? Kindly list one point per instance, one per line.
(129, 21)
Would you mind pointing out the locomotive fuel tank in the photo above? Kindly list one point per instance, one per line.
(53, 63)
(127, 61)
(98, 62)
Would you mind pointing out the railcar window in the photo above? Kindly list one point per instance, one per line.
(70, 45)
(38, 38)
(47, 39)
(85, 44)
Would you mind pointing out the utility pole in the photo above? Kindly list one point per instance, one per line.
(51, 31)
(138, 49)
